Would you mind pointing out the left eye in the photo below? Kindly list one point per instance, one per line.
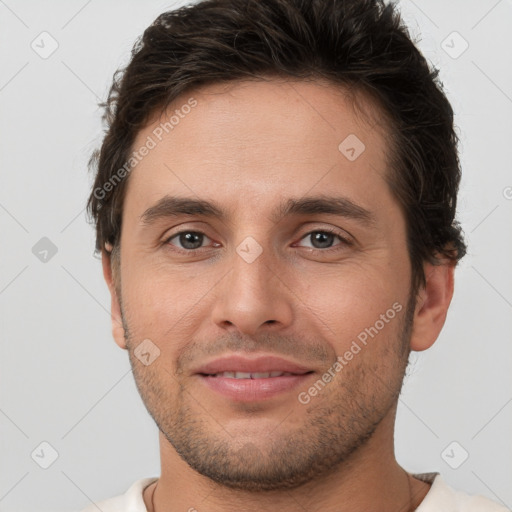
(324, 239)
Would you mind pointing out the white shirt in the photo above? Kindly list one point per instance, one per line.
(440, 498)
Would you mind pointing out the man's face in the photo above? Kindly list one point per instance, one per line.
(309, 287)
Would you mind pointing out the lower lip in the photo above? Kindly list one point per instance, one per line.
(250, 390)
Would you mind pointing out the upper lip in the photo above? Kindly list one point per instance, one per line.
(260, 364)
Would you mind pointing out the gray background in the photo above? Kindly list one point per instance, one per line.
(62, 378)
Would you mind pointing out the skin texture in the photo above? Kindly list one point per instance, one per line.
(248, 146)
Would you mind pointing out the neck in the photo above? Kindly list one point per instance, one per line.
(371, 480)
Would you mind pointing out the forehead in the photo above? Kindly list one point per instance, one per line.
(253, 141)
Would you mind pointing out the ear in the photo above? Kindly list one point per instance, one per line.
(115, 308)
(432, 304)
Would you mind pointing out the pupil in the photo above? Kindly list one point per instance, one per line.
(190, 240)
(194, 240)
(322, 238)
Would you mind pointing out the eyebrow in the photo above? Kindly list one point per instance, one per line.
(173, 206)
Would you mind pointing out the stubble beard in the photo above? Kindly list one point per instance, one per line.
(336, 424)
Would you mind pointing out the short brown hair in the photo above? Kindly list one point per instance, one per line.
(362, 44)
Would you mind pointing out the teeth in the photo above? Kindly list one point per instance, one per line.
(255, 375)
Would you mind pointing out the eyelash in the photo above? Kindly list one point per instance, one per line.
(343, 240)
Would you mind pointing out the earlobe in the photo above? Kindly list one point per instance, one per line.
(115, 307)
(432, 305)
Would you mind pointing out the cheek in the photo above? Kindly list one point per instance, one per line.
(347, 304)
(163, 304)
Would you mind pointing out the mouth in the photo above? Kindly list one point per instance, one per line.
(249, 380)
(254, 375)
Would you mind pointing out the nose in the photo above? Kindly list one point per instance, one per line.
(252, 297)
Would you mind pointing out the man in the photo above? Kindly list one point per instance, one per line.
(275, 205)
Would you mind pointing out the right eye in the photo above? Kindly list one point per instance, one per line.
(189, 241)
